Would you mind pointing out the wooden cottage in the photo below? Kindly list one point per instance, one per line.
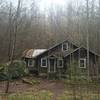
(64, 58)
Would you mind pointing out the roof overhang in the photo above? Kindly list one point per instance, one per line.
(81, 48)
(32, 53)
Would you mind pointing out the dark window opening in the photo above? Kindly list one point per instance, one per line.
(60, 63)
(30, 63)
(65, 47)
(82, 63)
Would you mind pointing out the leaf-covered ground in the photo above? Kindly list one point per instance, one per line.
(56, 87)
(43, 89)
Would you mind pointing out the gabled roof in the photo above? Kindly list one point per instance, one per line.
(32, 53)
(28, 53)
(61, 43)
(80, 48)
(75, 44)
(58, 45)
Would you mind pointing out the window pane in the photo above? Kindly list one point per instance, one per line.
(82, 63)
(43, 62)
(30, 62)
(60, 63)
(65, 46)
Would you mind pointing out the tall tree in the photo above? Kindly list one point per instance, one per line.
(15, 28)
(87, 17)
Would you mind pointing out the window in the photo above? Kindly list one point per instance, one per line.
(30, 63)
(60, 63)
(43, 62)
(64, 46)
(82, 63)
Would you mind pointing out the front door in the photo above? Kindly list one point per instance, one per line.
(52, 65)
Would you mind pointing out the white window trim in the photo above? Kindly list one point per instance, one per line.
(84, 59)
(58, 63)
(67, 46)
(42, 61)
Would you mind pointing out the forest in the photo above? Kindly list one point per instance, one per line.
(67, 71)
(42, 27)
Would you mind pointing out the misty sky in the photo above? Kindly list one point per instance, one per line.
(45, 4)
(25, 2)
(42, 2)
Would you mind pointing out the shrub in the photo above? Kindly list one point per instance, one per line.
(15, 70)
(18, 69)
(3, 75)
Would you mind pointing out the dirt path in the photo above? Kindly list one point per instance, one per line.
(56, 87)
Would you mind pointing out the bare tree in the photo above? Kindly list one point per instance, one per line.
(87, 9)
(11, 56)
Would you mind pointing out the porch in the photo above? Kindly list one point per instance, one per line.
(54, 66)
